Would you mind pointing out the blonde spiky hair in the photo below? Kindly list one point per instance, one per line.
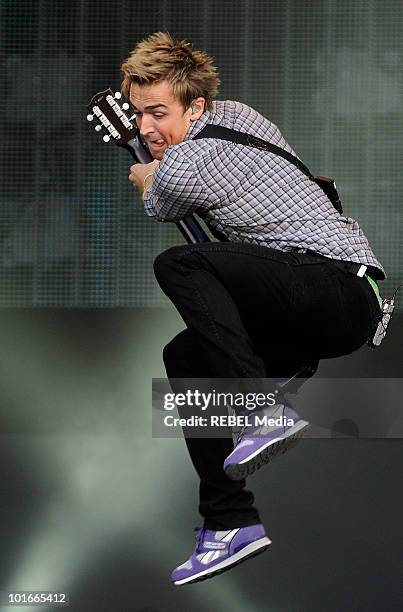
(160, 57)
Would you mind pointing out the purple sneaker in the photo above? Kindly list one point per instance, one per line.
(271, 432)
(218, 551)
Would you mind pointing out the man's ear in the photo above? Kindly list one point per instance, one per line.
(197, 108)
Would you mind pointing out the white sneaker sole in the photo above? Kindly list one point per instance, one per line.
(263, 455)
(252, 549)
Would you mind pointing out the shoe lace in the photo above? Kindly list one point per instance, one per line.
(258, 429)
(241, 435)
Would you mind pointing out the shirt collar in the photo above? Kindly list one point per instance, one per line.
(198, 125)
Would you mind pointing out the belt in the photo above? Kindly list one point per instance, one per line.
(350, 266)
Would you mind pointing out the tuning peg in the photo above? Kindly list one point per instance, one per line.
(118, 95)
(90, 117)
(125, 106)
(98, 128)
(106, 138)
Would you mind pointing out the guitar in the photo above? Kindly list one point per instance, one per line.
(124, 133)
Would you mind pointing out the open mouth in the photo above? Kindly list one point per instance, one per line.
(157, 143)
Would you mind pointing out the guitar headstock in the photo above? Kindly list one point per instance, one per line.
(119, 127)
(111, 116)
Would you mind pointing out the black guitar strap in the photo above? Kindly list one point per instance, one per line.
(223, 133)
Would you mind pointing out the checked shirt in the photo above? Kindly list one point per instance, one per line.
(251, 195)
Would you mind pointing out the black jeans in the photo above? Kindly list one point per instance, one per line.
(254, 312)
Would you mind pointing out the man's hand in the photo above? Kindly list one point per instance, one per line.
(141, 175)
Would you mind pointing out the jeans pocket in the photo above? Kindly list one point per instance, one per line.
(321, 313)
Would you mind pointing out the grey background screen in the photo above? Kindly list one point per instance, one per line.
(91, 503)
(72, 229)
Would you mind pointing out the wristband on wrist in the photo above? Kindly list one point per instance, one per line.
(145, 186)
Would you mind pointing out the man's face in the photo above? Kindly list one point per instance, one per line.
(160, 116)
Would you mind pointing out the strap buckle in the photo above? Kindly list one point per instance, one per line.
(253, 141)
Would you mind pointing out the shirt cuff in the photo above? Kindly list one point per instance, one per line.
(148, 204)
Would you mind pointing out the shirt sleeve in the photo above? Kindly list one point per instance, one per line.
(177, 189)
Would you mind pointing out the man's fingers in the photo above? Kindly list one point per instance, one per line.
(139, 172)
